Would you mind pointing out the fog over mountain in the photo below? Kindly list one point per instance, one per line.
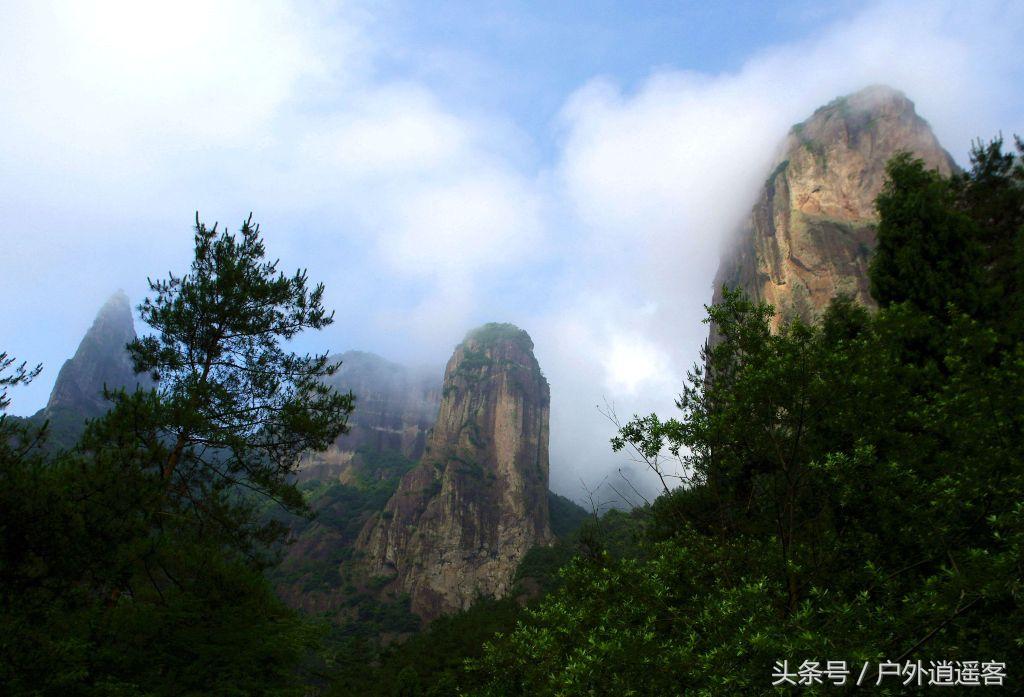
(435, 181)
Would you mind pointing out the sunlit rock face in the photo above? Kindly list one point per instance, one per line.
(812, 231)
(464, 517)
(395, 408)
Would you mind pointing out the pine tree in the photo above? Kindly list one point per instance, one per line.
(132, 564)
(236, 407)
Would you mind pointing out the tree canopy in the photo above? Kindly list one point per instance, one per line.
(854, 486)
(132, 564)
(852, 489)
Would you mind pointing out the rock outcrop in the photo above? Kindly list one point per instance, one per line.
(812, 230)
(463, 518)
(100, 361)
(395, 408)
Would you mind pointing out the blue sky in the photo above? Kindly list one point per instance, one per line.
(539, 52)
(571, 167)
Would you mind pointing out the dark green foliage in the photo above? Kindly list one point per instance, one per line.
(239, 408)
(779, 169)
(341, 509)
(495, 332)
(430, 663)
(929, 252)
(476, 438)
(615, 534)
(470, 468)
(433, 488)
(433, 662)
(566, 516)
(326, 544)
(132, 563)
(471, 363)
(64, 427)
(106, 591)
(540, 566)
(19, 433)
(816, 149)
(346, 507)
(20, 375)
(375, 618)
(854, 486)
(956, 241)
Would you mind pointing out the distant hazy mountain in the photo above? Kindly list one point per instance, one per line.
(395, 407)
(100, 361)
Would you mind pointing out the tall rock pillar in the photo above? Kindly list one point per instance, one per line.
(464, 517)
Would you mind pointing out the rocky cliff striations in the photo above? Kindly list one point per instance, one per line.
(395, 408)
(463, 518)
(812, 230)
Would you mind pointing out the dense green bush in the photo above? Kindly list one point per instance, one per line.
(855, 485)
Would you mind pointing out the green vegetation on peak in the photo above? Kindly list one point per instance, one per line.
(861, 99)
(861, 107)
(566, 515)
(496, 332)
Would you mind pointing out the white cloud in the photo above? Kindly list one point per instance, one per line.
(399, 130)
(642, 161)
(119, 118)
(465, 227)
(633, 363)
(112, 77)
(657, 176)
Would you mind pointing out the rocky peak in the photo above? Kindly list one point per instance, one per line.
(463, 518)
(101, 360)
(812, 230)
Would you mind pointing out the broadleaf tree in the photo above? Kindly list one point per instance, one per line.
(854, 484)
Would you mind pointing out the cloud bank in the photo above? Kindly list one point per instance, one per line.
(423, 215)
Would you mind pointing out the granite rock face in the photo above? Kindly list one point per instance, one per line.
(463, 518)
(812, 231)
(395, 408)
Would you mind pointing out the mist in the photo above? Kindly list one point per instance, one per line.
(597, 227)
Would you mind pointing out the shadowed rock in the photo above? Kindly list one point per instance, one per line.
(100, 361)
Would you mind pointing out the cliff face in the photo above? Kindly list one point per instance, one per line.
(812, 230)
(395, 408)
(101, 359)
(463, 518)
